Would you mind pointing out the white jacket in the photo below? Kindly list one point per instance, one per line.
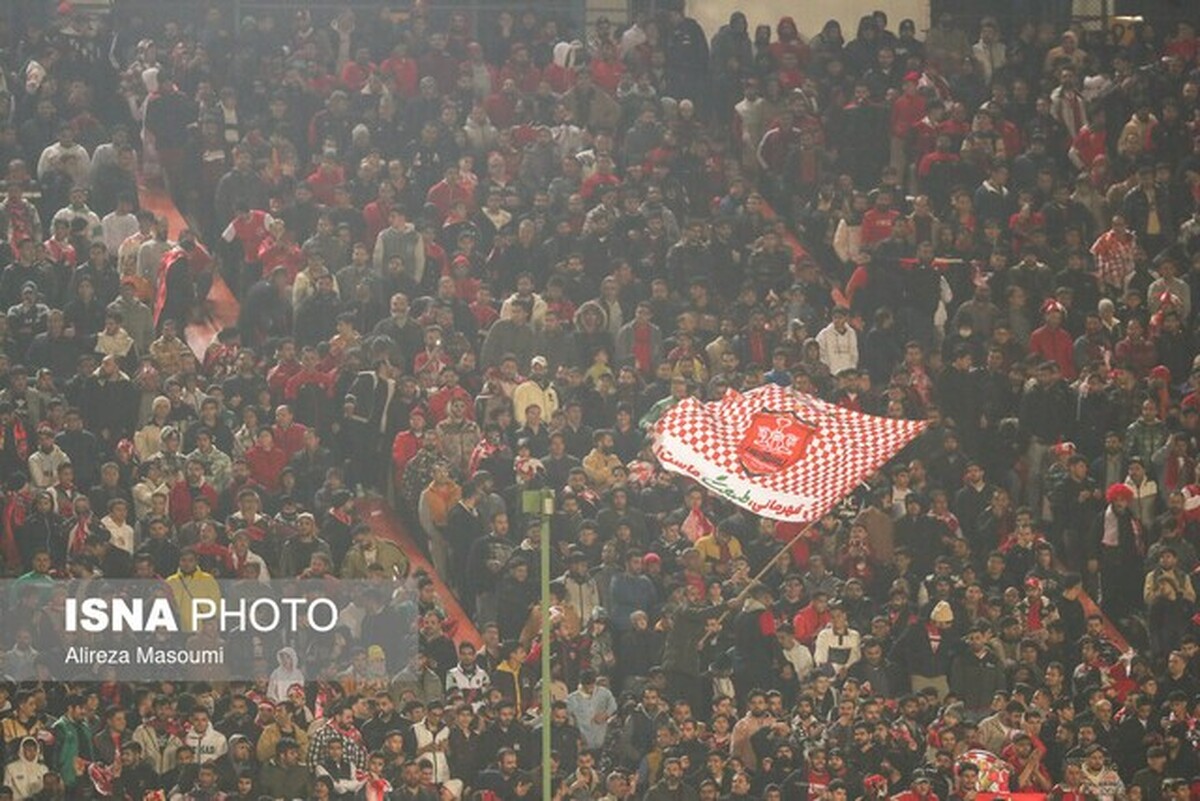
(208, 746)
(839, 351)
(530, 393)
(23, 775)
(424, 738)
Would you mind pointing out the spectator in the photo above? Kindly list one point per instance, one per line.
(485, 252)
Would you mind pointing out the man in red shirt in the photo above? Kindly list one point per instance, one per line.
(266, 461)
(811, 619)
(289, 435)
(192, 486)
(782, 137)
(1051, 342)
(326, 177)
(879, 219)
(356, 72)
(1030, 774)
(907, 110)
(249, 228)
(286, 366)
(450, 190)
(402, 69)
(439, 64)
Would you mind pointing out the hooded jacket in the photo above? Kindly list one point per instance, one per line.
(282, 677)
(209, 746)
(732, 41)
(588, 338)
(23, 775)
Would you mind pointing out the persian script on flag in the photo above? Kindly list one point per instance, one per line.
(777, 452)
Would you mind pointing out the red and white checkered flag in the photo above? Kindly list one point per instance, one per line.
(776, 452)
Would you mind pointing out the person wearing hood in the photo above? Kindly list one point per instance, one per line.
(561, 71)
(687, 55)
(284, 676)
(861, 52)
(239, 761)
(591, 327)
(24, 775)
(732, 51)
(829, 42)
(788, 40)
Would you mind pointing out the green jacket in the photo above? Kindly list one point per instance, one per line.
(71, 740)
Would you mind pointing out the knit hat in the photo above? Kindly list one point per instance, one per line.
(942, 613)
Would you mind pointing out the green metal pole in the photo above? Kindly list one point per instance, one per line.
(547, 511)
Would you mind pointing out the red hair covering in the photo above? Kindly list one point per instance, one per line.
(1119, 492)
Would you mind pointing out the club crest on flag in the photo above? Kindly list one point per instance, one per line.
(774, 441)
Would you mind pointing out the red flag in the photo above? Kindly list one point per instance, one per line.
(696, 525)
(779, 453)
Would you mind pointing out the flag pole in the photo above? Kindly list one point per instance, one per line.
(547, 511)
(736, 601)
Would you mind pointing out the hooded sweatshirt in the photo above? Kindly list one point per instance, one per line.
(282, 677)
(23, 775)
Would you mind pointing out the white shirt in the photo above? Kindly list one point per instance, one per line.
(459, 679)
(73, 161)
(117, 228)
(839, 650)
(122, 533)
(801, 661)
(208, 746)
(839, 350)
(43, 467)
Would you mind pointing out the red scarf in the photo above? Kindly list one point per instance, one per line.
(935, 637)
(1176, 471)
(375, 787)
(1033, 617)
(16, 506)
(758, 348)
(643, 352)
(20, 439)
(79, 534)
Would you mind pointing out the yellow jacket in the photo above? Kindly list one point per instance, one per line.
(710, 550)
(188, 588)
(599, 467)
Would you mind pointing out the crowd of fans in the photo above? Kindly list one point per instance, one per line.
(480, 254)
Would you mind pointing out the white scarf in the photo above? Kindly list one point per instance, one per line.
(1112, 529)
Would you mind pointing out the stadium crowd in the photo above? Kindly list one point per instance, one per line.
(479, 254)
